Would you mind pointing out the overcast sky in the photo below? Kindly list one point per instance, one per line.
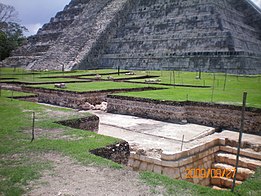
(34, 13)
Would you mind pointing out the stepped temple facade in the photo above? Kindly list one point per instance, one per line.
(206, 35)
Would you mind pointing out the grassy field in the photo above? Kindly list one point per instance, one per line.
(93, 86)
(15, 121)
(222, 89)
(179, 187)
(18, 168)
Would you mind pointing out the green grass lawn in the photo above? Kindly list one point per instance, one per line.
(232, 94)
(116, 76)
(94, 86)
(179, 187)
(225, 89)
(9, 93)
(15, 118)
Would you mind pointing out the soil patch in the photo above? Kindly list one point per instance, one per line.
(90, 123)
(118, 153)
(53, 134)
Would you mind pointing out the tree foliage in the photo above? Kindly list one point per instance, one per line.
(11, 33)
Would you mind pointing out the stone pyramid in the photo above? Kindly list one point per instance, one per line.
(207, 35)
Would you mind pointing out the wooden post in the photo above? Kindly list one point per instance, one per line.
(213, 88)
(33, 127)
(182, 142)
(174, 79)
(0, 81)
(170, 77)
(225, 82)
(12, 95)
(63, 69)
(118, 70)
(240, 138)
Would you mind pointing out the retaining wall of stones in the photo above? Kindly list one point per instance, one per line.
(175, 165)
(216, 115)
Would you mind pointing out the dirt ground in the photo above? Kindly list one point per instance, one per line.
(68, 178)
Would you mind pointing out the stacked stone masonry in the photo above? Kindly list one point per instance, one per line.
(205, 156)
(193, 35)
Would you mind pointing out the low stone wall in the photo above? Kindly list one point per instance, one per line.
(90, 123)
(176, 165)
(74, 99)
(215, 115)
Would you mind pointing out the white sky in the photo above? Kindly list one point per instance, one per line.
(34, 13)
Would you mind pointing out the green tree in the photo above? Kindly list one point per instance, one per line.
(11, 33)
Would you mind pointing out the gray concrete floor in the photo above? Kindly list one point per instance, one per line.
(151, 135)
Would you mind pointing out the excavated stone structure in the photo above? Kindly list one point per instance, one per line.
(206, 35)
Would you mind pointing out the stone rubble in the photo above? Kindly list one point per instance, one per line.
(88, 106)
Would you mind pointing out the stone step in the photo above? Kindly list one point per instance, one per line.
(224, 182)
(244, 162)
(219, 188)
(242, 173)
(250, 153)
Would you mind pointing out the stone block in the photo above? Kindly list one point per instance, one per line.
(131, 162)
(185, 161)
(222, 141)
(216, 181)
(143, 158)
(157, 161)
(167, 171)
(150, 167)
(143, 166)
(167, 156)
(170, 163)
(136, 164)
(157, 169)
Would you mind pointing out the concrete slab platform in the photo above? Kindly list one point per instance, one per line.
(153, 127)
(151, 135)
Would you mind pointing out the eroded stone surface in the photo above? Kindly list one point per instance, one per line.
(148, 34)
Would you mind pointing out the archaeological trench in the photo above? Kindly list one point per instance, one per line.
(215, 149)
(191, 35)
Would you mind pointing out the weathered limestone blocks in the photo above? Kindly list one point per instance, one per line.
(209, 35)
(177, 165)
(165, 35)
(188, 164)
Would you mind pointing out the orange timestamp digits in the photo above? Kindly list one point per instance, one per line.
(210, 173)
